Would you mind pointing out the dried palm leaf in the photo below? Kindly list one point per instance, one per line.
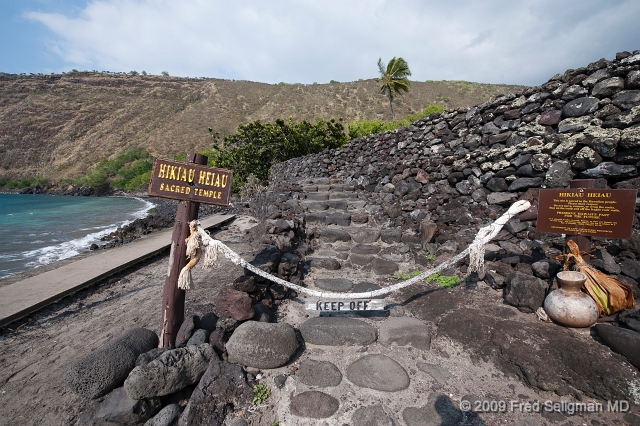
(610, 295)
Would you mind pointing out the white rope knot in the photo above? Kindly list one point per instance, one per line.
(200, 243)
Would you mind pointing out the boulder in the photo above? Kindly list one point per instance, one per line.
(119, 409)
(172, 371)
(235, 304)
(623, 341)
(185, 330)
(102, 370)
(262, 345)
(222, 389)
(168, 416)
(525, 292)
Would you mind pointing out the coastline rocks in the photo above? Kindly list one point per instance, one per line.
(235, 304)
(262, 345)
(100, 371)
(172, 371)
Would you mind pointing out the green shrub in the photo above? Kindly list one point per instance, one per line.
(358, 129)
(129, 170)
(23, 182)
(256, 146)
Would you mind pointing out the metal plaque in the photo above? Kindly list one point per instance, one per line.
(190, 182)
(584, 211)
(336, 305)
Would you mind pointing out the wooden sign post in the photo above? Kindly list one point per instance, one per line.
(192, 183)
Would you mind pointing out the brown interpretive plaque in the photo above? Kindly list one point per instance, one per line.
(583, 211)
(190, 182)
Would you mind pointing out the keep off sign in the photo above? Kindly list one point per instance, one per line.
(190, 182)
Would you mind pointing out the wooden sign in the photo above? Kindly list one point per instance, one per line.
(585, 211)
(190, 182)
(335, 305)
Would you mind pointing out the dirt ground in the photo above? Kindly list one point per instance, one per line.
(35, 352)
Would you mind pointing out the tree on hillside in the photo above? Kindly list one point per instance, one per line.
(394, 79)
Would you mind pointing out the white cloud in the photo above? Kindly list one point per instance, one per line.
(306, 41)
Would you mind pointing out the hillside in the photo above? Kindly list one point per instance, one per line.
(57, 126)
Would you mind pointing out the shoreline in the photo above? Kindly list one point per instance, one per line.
(160, 217)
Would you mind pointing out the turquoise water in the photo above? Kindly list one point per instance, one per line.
(40, 229)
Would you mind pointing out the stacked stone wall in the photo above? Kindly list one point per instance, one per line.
(584, 123)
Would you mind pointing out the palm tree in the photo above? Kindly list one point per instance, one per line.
(394, 79)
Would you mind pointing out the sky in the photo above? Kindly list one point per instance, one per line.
(303, 41)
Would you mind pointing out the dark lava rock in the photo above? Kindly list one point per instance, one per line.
(579, 107)
(554, 359)
(245, 283)
(497, 185)
(521, 184)
(340, 219)
(168, 416)
(208, 322)
(606, 88)
(147, 357)
(268, 259)
(525, 291)
(337, 331)
(366, 235)
(172, 371)
(262, 345)
(405, 331)
(118, 408)
(559, 175)
(384, 266)
(378, 372)
(100, 371)
(263, 313)
(332, 235)
(373, 415)
(611, 170)
(550, 118)
(630, 268)
(621, 340)
(318, 373)
(334, 284)
(324, 263)
(545, 269)
(439, 411)
(314, 404)
(185, 330)
(391, 236)
(222, 389)
(288, 264)
(235, 304)
(199, 337)
(365, 249)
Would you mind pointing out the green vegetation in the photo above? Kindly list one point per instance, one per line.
(23, 183)
(256, 146)
(261, 393)
(130, 170)
(361, 128)
(394, 79)
(165, 73)
(446, 281)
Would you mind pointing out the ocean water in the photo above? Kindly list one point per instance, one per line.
(40, 229)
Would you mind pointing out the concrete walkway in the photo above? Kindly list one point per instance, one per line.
(27, 296)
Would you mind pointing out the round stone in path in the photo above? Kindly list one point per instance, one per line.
(337, 331)
(365, 286)
(378, 372)
(318, 373)
(314, 404)
(405, 331)
(375, 415)
(334, 284)
(262, 345)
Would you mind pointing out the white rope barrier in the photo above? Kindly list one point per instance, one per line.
(201, 244)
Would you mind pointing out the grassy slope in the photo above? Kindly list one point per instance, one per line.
(61, 125)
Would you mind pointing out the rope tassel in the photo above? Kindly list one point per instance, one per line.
(200, 242)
